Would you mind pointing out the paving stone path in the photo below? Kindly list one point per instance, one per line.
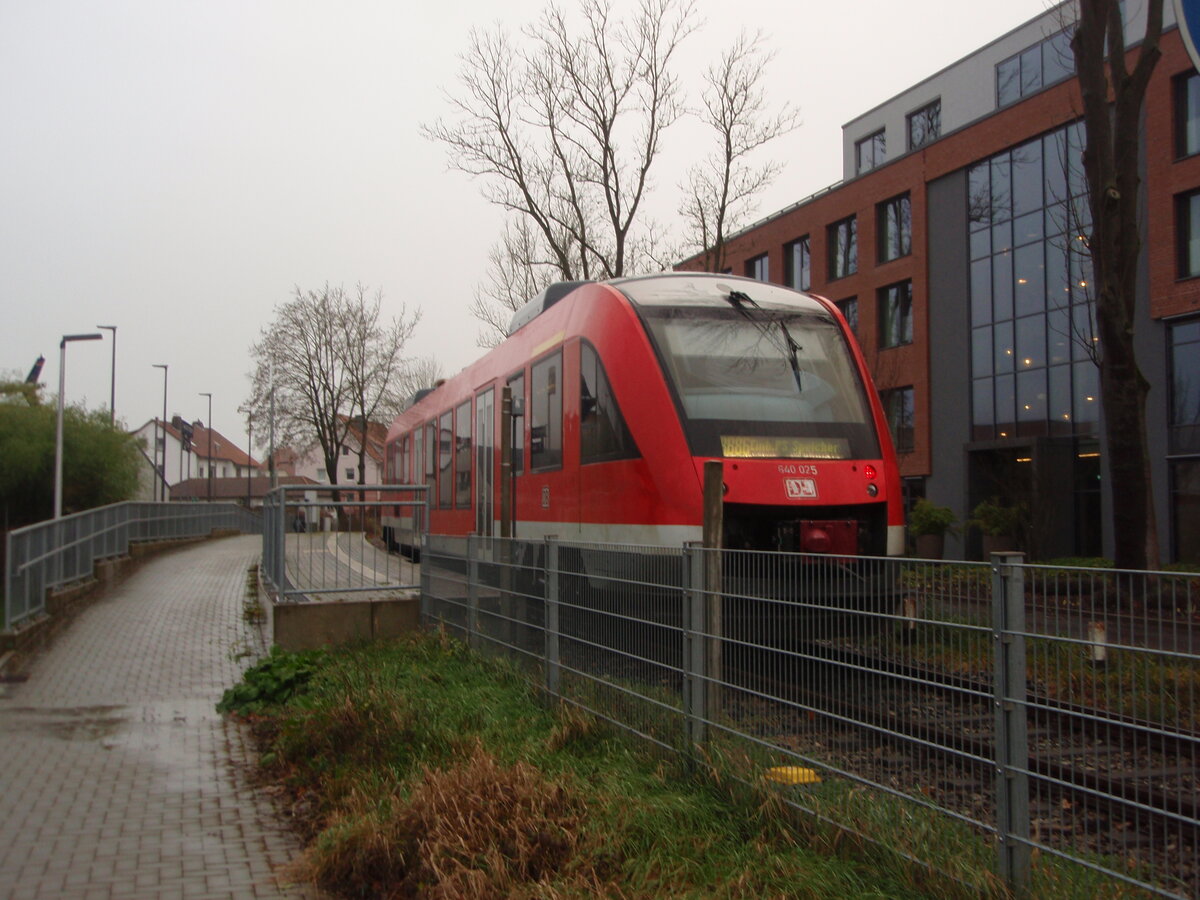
(118, 779)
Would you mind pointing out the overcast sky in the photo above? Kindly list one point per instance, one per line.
(175, 169)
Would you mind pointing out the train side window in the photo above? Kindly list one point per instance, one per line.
(431, 463)
(603, 434)
(516, 385)
(445, 460)
(462, 456)
(545, 413)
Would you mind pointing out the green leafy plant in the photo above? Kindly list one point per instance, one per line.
(994, 518)
(927, 518)
(272, 681)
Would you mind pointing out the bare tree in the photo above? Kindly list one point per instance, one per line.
(518, 270)
(371, 351)
(720, 191)
(413, 375)
(1113, 97)
(325, 356)
(564, 125)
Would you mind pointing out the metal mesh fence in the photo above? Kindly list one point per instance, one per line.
(51, 554)
(999, 725)
(329, 543)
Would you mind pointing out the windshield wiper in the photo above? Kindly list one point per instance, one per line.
(739, 300)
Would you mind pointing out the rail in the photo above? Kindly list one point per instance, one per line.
(1039, 725)
(48, 555)
(326, 542)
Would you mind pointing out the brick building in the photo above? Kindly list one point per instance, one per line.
(953, 245)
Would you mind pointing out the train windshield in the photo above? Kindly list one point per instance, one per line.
(761, 381)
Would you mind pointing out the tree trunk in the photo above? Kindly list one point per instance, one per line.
(1112, 103)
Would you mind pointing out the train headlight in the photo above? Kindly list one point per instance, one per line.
(869, 471)
(872, 490)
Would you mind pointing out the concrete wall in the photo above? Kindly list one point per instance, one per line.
(312, 624)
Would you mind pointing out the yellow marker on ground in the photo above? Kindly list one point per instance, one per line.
(793, 775)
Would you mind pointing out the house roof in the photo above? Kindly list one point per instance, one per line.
(376, 436)
(223, 449)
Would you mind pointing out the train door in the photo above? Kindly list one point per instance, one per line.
(485, 463)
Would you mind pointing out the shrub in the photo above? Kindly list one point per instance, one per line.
(926, 518)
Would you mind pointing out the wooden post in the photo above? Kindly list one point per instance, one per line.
(714, 519)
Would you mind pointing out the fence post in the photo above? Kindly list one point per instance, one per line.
(553, 669)
(1012, 739)
(695, 645)
(10, 582)
(473, 590)
(425, 576)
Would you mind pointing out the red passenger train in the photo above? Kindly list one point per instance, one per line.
(625, 388)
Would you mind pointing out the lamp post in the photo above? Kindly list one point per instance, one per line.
(249, 457)
(208, 425)
(58, 435)
(162, 475)
(112, 378)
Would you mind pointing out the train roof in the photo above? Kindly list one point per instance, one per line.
(707, 289)
(676, 289)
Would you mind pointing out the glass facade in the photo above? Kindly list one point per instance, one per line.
(1184, 438)
(1033, 334)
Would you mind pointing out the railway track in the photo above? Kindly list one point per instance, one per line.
(1099, 783)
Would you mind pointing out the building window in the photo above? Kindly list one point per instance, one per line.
(545, 414)
(758, 268)
(799, 264)
(895, 315)
(925, 125)
(1187, 231)
(870, 152)
(849, 310)
(349, 476)
(898, 407)
(603, 434)
(1185, 387)
(1185, 509)
(345, 451)
(1187, 115)
(843, 248)
(894, 228)
(1041, 65)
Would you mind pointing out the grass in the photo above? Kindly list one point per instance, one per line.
(423, 769)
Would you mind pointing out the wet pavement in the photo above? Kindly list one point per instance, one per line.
(118, 778)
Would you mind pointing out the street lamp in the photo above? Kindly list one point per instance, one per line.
(162, 480)
(208, 425)
(112, 379)
(58, 436)
(249, 457)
